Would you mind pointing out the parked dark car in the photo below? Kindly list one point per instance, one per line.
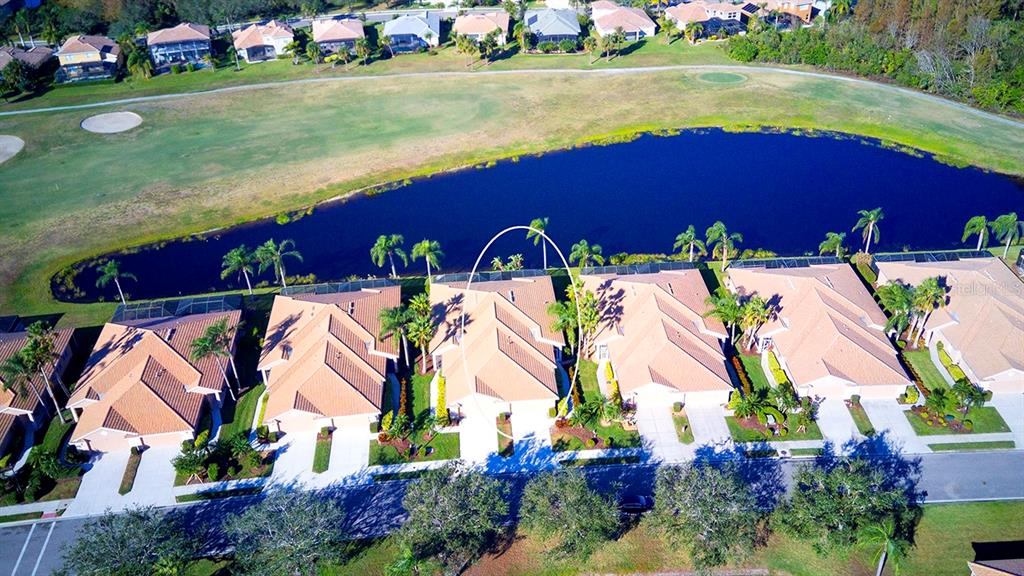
(635, 504)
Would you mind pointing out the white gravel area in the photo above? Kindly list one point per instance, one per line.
(112, 122)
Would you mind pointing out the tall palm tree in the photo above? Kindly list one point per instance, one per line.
(887, 545)
(926, 297)
(421, 331)
(897, 299)
(41, 351)
(754, 313)
(387, 247)
(977, 225)
(429, 250)
(688, 241)
(693, 30)
(833, 243)
(16, 374)
(721, 241)
(539, 225)
(294, 48)
(585, 252)
(215, 342)
(869, 222)
(669, 28)
(270, 254)
(313, 52)
(420, 305)
(589, 46)
(1008, 228)
(724, 306)
(112, 271)
(395, 322)
(239, 261)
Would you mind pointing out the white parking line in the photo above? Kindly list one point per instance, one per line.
(43, 550)
(24, 546)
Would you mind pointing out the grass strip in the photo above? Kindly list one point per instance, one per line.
(20, 517)
(215, 494)
(128, 479)
(967, 446)
(603, 461)
(683, 429)
(322, 456)
(396, 476)
(807, 451)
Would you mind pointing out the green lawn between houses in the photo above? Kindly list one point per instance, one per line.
(445, 446)
(200, 162)
(943, 548)
(752, 364)
(921, 362)
(613, 434)
(986, 420)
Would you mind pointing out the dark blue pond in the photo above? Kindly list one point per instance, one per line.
(782, 192)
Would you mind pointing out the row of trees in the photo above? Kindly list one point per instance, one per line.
(719, 513)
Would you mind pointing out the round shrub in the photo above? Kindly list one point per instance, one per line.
(567, 45)
(212, 471)
(968, 425)
(590, 443)
(677, 407)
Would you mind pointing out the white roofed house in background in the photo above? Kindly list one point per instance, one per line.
(141, 386)
(609, 18)
(655, 336)
(827, 332)
(259, 42)
(335, 33)
(713, 16)
(549, 25)
(509, 357)
(186, 43)
(414, 32)
(323, 361)
(981, 326)
(478, 26)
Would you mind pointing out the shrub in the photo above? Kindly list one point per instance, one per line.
(233, 471)
(988, 395)
(212, 471)
(567, 45)
(677, 407)
(968, 425)
(590, 443)
(855, 399)
(190, 67)
(910, 396)
(385, 423)
(777, 372)
(546, 47)
(402, 398)
(742, 375)
(553, 412)
(563, 407)
(442, 403)
(175, 69)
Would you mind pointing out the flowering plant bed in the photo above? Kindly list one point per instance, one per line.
(567, 437)
(398, 450)
(751, 430)
(980, 420)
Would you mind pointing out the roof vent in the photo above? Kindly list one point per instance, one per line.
(670, 291)
(286, 352)
(170, 334)
(512, 296)
(828, 282)
(351, 308)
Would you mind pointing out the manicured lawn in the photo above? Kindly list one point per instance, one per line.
(752, 364)
(860, 418)
(245, 411)
(683, 430)
(207, 164)
(128, 479)
(742, 434)
(20, 517)
(216, 494)
(967, 446)
(807, 451)
(266, 468)
(603, 461)
(986, 419)
(322, 455)
(506, 444)
(612, 435)
(929, 373)
(445, 447)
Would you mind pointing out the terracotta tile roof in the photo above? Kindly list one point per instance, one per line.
(84, 43)
(481, 23)
(140, 378)
(655, 331)
(337, 30)
(508, 343)
(184, 32)
(1011, 567)
(6, 426)
(324, 354)
(690, 12)
(34, 58)
(261, 34)
(984, 314)
(827, 324)
(630, 20)
(10, 344)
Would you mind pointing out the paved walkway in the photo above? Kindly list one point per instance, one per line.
(1011, 408)
(835, 421)
(154, 481)
(708, 424)
(100, 485)
(888, 415)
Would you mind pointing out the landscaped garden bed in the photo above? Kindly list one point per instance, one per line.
(597, 422)
(410, 433)
(979, 420)
(44, 477)
(752, 430)
(232, 458)
(682, 424)
(860, 416)
(128, 478)
(764, 413)
(322, 454)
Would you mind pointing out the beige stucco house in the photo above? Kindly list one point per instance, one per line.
(85, 57)
(610, 17)
(478, 26)
(259, 42)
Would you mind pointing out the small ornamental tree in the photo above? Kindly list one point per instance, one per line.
(287, 533)
(564, 511)
(453, 514)
(129, 543)
(712, 511)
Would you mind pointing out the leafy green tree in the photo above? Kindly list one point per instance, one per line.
(314, 52)
(749, 404)
(111, 271)
(886, 544)
(292, 533)
(721, 241)
(1008, 229)
(868, 222)
(668, 28)
(364, 49)
(710, 510)
(693, 31)
(216, 343)
(537, 227)
(897, 298)
(833, 243)
(272, 255)
(241, 262)
(689, 242)
(14, 78)
(129, 543)
(453, 513)
(726, 307)
(977, 225)
(386, 248)
(562, 509)
(585, 253)
(394, 322)
(295, 49)
(968, 396)
(430, 251)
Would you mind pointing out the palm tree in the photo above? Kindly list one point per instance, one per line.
(16, 374)
(239, 261)
(270, 254)
(564, 319)
(112, 271)
(313, 52)
(688, 241)
(926, 297)
(538, 226)
(215, 342)
(977, 225)
(755, 312)
(589, 45)
(750, 404)
(497, 264)
(724, 306)
(41, 351)
(421, 331)
(668, 26)
(233, 54)
(363, 50)
(721, 241)
(420, 304)
(395, 322)
(869, 222)
(897, 299)
(429, 250)
(1008, 228)
(833, 243)
(693, 31)
(384, 41)
(387, 247)
(883, 538)
(839, 9)
(585, 252)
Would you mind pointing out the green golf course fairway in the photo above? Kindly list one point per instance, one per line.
(214, 160)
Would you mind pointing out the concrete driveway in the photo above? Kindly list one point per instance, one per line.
(294, 463)
(654, 422)
(708, 423)
(100, 484)
(888, 415)
(478, 435)
(835, 421)
(1011, 408)
(154, 481)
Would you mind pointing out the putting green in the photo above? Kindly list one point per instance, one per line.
(722, 78)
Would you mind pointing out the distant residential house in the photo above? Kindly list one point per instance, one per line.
(553, 25)
(477, 26)
(22, 412)
(411, 33)
(609, 18)
(334, 34)
(185, 43)
(33, 58)
(711, 15)
(802, 9)
(88, 58)
(997, 567)
(260, 42)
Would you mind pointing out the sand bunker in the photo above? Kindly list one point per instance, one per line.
(9, 146)
(112, 123)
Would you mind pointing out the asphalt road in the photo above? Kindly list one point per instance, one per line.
(374, 510)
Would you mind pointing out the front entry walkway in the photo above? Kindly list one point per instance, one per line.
(154, 480)
(835, 422)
